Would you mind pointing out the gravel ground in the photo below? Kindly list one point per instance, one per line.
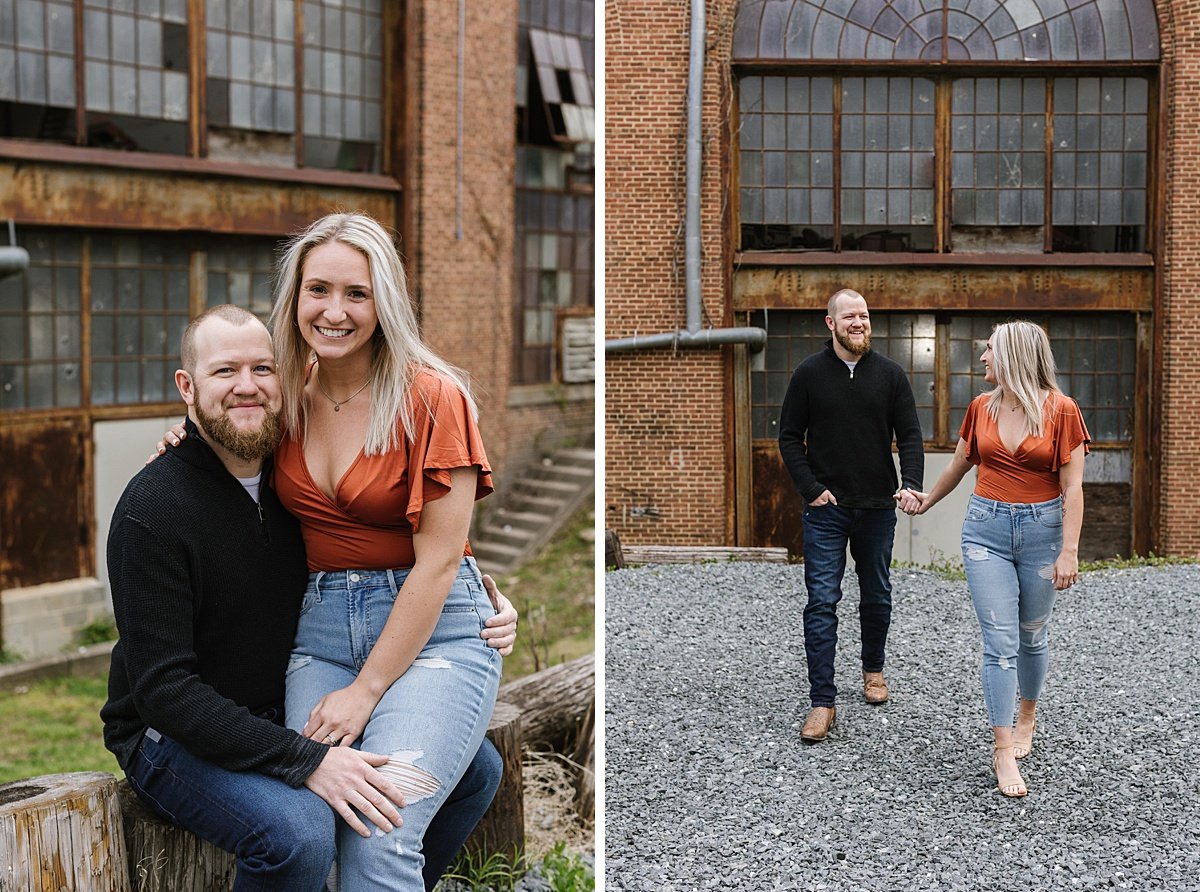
(708, 786)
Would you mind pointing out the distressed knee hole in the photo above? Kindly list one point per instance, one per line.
(413, 783)
(1047, 572)
(1003, 663)
(432, 662)
(976, 553)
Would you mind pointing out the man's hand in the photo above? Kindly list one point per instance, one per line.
(911, 502)
(825, 498)
(349, 779)
(500, 630)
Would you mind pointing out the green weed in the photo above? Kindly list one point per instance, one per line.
(97, 632)
(567, 871)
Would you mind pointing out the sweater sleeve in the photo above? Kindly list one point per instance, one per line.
(793, 427)
(909, 439)
(154, 606)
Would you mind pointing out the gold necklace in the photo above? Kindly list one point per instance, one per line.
(337, 404)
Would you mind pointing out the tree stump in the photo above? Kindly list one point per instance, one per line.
(585, 758)
(167, 858)
(62, 833)
(553, 703)
(502, 828)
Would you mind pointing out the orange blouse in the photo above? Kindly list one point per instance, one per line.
(1031, 473)
(369, 524)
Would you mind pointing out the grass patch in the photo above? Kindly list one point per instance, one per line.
(53, 726)
(1150, 560)
(555, 594)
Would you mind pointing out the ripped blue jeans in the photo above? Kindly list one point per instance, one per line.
(1009, 552)
(431, 721)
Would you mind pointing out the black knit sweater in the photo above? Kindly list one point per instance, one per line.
(207, 588)
(836, 430)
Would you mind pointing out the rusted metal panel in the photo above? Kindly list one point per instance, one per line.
(778, 508)
(54, 194)
(942, 288)
(1107, 521)
(45, 525)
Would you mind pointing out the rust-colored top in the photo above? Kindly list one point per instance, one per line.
(1031, 473)
(369, 524)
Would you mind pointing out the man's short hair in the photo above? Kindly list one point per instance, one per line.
(831, 307)
(187, 345)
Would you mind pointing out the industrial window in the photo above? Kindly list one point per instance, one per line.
(851, 163)
(554, 271)
(139, 309)
(241, 272)
(136, 75)
(1095, 354)
(40, 326)
(136, 93)
(554, 266)
(96, 319)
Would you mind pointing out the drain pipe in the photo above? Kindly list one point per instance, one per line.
(693, 336)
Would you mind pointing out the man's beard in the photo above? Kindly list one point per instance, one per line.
(851, 347)
(246, 445)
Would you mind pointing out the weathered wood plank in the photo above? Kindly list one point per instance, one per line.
(687, 554)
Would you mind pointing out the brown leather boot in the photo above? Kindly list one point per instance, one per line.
(817, 725)
(875, 688)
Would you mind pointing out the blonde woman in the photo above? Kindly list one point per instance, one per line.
(1020, 538)
(382, 464)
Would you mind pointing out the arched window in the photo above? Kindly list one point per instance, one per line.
(948, 127)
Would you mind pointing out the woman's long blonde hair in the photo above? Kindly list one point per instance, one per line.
(1024, 366)
(397, 353)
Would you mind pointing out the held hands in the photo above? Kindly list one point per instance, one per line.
(174, 436)
(912, 502)
(500, 630)
(349, 779)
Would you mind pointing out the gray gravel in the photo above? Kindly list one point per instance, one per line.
(707, 785)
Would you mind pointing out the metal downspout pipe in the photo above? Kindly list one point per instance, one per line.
(693, 335)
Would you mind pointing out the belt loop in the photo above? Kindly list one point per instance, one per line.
(317, 579)
(391, 577)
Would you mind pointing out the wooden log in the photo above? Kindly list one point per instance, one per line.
(585, 774)
(164, 857)
(62, 833)
(687, 554)
(613, 555)
(502, 828)
(553, 703)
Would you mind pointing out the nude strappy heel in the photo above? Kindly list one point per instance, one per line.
(1013, 790)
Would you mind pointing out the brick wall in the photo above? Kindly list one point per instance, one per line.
(464, 284)
(667, 437)
(1179, 322)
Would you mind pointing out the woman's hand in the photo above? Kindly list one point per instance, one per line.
(174, 436)
(911, 502)
(500, 630)
(1066, 570)
(339, 717)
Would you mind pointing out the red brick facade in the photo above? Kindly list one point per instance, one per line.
(669, 439)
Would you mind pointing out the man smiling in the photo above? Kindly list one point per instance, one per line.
(843, 408)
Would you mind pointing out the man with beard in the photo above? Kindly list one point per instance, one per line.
(208, 572)
(843, 408)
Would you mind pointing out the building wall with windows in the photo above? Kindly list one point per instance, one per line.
(1024, 167)
(152, 159)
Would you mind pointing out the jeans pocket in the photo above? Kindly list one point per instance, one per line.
(312, 597)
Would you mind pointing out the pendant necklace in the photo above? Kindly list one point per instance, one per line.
(337, 404)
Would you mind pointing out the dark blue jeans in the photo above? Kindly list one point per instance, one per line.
(827, 531)
(284, 837)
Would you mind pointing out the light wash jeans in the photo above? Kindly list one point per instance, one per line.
(1009, 552)
(431, 721)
